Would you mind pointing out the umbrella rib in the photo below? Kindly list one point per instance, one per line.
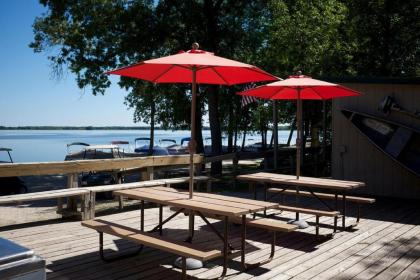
(163, 73)
(314, 89)
(218, 74)
(190, 68)
(276, 92)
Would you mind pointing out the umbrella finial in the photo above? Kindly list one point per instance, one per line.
(195, 46)
(299, 73)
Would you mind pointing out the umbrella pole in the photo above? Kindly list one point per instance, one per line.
(192, 151)
(300, 223)
(192, 141)
(299, 133)
(275, 132)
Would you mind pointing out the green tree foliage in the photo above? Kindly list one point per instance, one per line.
(386, 37)
(318, 37)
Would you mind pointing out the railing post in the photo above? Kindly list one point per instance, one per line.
(235, 162)
(147, 173)
(72, 182)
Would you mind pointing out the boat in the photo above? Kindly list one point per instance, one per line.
(75, 155)
(173, 147)
(398, 141)
(90, 179)
(11, 185)
(143, 150)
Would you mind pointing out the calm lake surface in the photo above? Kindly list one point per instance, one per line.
(50, 145)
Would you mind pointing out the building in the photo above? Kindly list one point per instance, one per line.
(354, 157)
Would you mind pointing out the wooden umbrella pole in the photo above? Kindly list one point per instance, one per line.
(192, 143)
(275, 132)
(299, 132)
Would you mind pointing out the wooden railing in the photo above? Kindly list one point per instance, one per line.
(79, 166)
(144, 165)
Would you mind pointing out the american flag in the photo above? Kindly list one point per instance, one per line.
(246, 100)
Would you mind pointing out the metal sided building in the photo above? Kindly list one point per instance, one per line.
(355, 157)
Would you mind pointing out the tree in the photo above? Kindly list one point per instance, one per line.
(320, 38)
(385, 35)
(90, 37)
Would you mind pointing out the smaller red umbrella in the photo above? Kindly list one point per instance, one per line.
(299, 87)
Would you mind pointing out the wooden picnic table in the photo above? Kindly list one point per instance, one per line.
(203, 205)
(338, 187)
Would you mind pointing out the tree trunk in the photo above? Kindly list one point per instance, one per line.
(212, 39)
(215, 132)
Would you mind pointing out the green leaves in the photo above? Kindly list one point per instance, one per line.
(319, 37)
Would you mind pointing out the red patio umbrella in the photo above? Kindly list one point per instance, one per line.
(194, 67)
(299, 87)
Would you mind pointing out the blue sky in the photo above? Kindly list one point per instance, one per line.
(28, 95)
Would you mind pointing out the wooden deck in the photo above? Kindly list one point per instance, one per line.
(385, 245)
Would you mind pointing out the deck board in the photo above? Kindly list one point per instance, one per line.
(385, 245)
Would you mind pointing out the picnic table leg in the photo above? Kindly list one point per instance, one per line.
(117, 257)
(336, 209)
(166, 220)
(254, 186)
(214, 230)
(190, 227)
(297, 202)
(344, 212)
(142, 215)
(265, 197)
(225, 246)
(246, 266)
(184, 268)
(160, 219)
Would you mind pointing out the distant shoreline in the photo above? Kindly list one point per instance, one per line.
(80, 128)
(96, 128)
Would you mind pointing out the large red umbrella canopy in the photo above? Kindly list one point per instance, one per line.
(304, 86)
(209, 68)
(299, 87)
(195, 67)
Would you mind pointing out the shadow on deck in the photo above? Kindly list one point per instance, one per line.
(385, 245)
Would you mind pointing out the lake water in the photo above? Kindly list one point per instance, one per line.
(50, 145)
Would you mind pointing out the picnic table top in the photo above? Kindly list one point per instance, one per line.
(202, 202)
(265, 177)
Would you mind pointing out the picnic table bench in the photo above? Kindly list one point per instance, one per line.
(354, 199)
(225, 208)
(183, 249)
(280, 184)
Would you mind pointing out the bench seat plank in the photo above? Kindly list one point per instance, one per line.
(269, 224)
(355, 199)
(308, 211)
(42, 195)
(180, 248)
(263, 223)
